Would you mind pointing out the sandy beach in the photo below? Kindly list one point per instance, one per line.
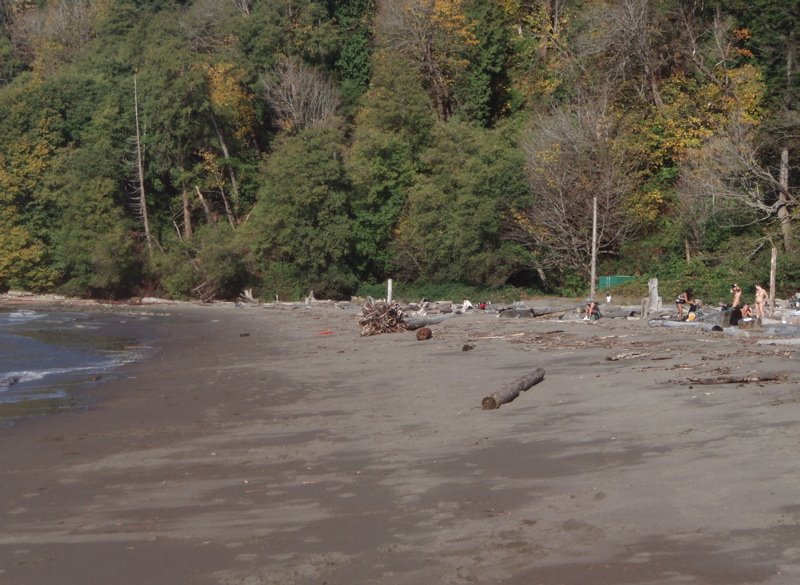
(276, 446)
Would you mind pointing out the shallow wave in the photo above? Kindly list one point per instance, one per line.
(10, 379)
(18, 317)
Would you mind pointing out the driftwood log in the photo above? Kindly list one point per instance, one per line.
(618, 312)
(790, 341)
(517, 313)
(511, 391)
(417, 322)
(737, 379)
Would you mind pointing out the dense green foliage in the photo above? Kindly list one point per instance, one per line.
(195, 148)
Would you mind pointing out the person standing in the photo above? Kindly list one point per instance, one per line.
(761, 299)
(736, 291)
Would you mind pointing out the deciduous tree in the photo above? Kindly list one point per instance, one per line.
(300, 96)
(576, 154)
(432, 34)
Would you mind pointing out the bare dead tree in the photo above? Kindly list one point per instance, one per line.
(634, 22)
(574, 156)
(710, 46)
(202, 24)
(626, 49)
(416, 30)
(731, 180)
(243, 6)
(141, 205)
(71, 21)
(300, 96)
(66, 24)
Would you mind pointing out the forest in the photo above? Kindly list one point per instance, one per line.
(192, 149)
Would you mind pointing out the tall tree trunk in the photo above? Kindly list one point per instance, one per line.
(773, 270)
(140, 167)
(204, 203)
(187, 216)
(783, 201)
(592, 288)
(687, 249)
(783, 210)
(231, 173)
(228, 213)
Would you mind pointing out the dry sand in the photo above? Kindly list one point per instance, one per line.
(277, 446)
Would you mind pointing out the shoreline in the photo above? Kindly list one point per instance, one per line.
(276, 445)
(64, 350)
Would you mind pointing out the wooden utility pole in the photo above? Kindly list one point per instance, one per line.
(773, 270)
(784, 215)
(592, 287)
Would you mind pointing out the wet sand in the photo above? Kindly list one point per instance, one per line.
(277, 446)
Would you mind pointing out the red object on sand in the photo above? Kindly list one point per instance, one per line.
(325, 333)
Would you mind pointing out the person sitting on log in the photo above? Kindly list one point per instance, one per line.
(685, 298)
(592, 310)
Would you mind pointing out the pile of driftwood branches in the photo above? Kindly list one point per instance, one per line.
(381, 317)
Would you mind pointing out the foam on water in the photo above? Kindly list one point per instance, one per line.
(47, 356)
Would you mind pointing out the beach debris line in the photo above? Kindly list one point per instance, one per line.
(733, 380)
(511, 391)
(628, 355)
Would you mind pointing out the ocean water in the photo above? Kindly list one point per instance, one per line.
(49, 358)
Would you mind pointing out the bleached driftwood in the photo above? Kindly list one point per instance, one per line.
(789, 341)
(381, 317)
(628, 355)
(517, 313)
(737, 379)
(425, 320)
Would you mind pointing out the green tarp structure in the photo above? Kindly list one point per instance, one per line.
(609, 281)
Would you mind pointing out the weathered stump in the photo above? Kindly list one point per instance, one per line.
(511, 391)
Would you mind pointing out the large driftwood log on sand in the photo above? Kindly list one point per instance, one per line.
(417, 322)
(517, 313)
(789, 341)
(511, 391)
(618, 312)
(737, 379)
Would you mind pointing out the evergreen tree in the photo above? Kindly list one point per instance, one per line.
(302, 223)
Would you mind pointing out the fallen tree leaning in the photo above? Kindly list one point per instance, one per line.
(511, 391)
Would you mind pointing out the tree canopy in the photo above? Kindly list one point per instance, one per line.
(191, 148)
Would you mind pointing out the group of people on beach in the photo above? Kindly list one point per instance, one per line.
(759, 302)
(738, 311)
